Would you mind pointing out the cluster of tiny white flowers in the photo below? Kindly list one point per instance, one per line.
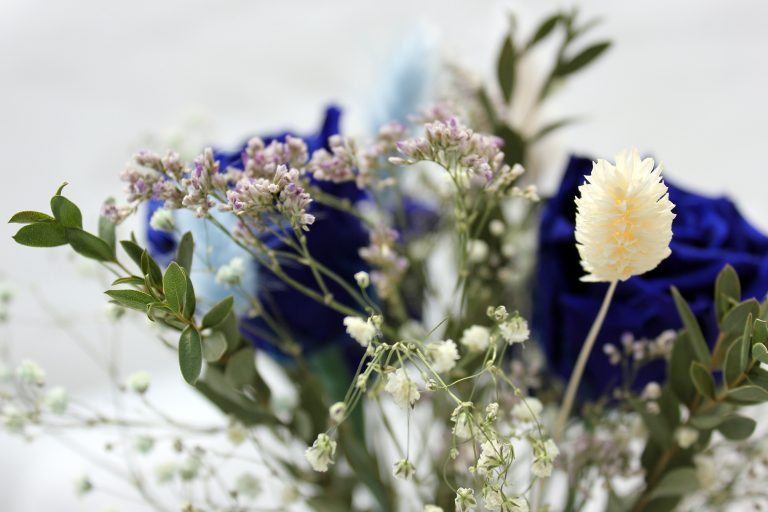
(232, 272)
(443, 355)
(361, 330)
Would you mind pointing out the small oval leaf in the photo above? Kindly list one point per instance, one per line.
(175, 286)
(218, 313)
(89, 245)
(42, 234)
(190, 355)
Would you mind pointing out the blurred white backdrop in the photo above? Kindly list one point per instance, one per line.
(82, 82)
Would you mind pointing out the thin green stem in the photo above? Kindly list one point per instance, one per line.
(581, 363)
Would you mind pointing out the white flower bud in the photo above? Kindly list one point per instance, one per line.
(13, 418)
(143, 443)
(337, 412)
(165, 473)
(496, 227)
(402, 388)
(362, 331)
(652, 391)
(57, 400)
(232, 273)
(162, 220)
(443, 355)
(237, 433)
(476, 338)
(363, 279)
(477, 251)
(139, 382)
(30, 373)
(432, 508)
(82, 485)
(686, 436)
(515, 330)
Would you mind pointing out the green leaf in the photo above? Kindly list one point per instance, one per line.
(760, 352)
(702, 379)
(241, 368)
(505, 69)
(190, 301)
(746, 343)
(175, 286)
(727, 291)
(734, 368)
(218, 313)
(514, 144)
(149, 267)
(677, 482)
(680, 361)
(107, 232)
(132, 299)
(28, 217)
(133, 250)
(231, 332)
(42, 234)
(735, 319)
(658, 427)
(749, 394)
(190, 355)
(737, 428)
(89, 245)
(488, 108)
(760, 332)
(698, 343)
(185, 251)
(544, 29)
(66, 212)
(582, 59)
(707, 421)
(132, 280)
(214, 346)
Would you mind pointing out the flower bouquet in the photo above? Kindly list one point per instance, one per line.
(402, 323)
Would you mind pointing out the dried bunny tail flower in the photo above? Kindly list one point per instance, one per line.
(623, 219)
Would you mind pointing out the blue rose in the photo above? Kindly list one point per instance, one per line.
(707, 234)
(334, 240)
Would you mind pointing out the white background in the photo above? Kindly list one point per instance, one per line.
(81, 82)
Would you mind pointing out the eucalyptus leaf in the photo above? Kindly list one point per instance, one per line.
(214, 346)
(505, 69)
(185, 252)
(582, 59)
(133, 299)
(543, 30)
(702, 379)
(132, 280)
(190, 301)
(760, 352)
(175, 286)
(749, 394)
(218, 313)
(42, 234)
(733, 367)
(735, 319)
(133, 250)
(680, 361)
(66, 212)
(107, 232)
(241, 368)
(231, 332)
(760, 332)
(698, 343)
(677, 482)
(737, 428)
(190, 355)
(151, 269)
(746, 343)
(28, 217)
(727, 291)
(89, 245)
